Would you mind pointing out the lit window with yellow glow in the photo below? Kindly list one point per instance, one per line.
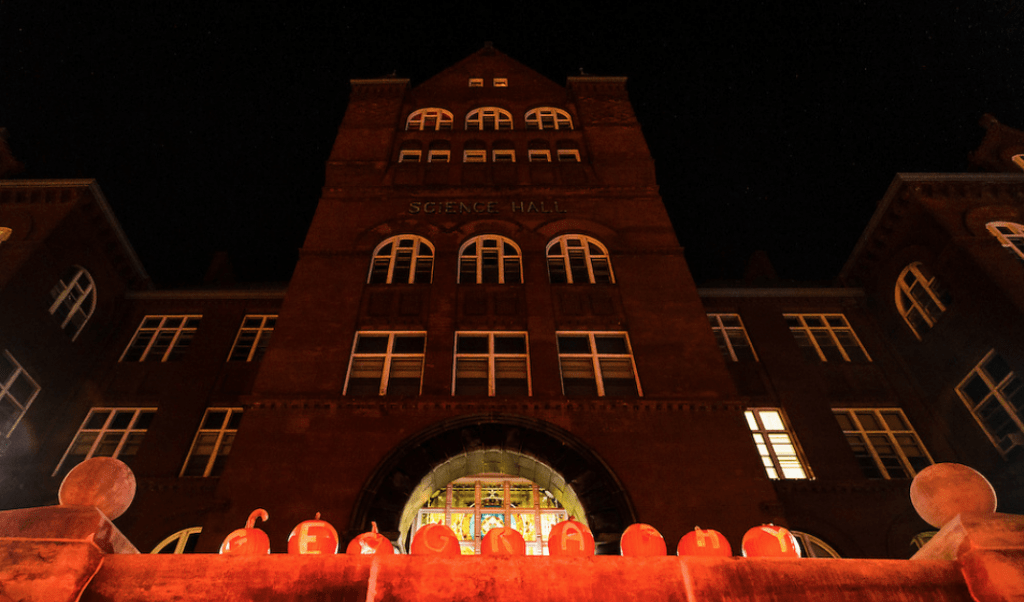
(775, 444)
(472, 506)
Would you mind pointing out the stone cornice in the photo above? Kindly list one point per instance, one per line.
(837, 292)
(460, 405)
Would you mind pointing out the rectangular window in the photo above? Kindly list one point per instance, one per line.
(539, 156)
(732, 337)
(213, 442)
(17, 392)
(108, 432)
(826, 337)
(568, 155)
(253, 338)
(491, 363)
(474, 156)
(409, 156)
(500, 82)
(161, 339)
(884, 443)
(597, 364)
(439, 156)
(476, 82)
(386, 363)
(775, 444)
(993, 393)
(503, 156)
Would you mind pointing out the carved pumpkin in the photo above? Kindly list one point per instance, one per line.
(704, 542)
(435, 540)
(642, 540)
(248, 540)
(313, 537)
(370, 543)
(503, 541)
(570, 538)
(769, 541)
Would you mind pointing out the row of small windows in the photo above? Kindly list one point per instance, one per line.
(166, 338)
(822, 337)
(489, 118)
(474, 152)
(491, 259)
(592, 364)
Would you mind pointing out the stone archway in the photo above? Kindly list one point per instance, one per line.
(495, 443)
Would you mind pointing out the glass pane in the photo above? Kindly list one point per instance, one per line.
(214, 419)
(471, 377)
(513, 344)
(108, 444)
(526, 524)
(472, 344)
(372, 344)
(844, 421)
(772, 420)
(489, 521)
(573, 344)
(463, 495)
(868, 421)
(895, 421)
(462, 524)
(409, 343)
(611, 344)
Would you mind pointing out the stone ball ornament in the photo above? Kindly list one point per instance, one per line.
(313, 537)
(704, 542)
(769, 541)
(570, 538)
(942, 491)
(640, 540)
(106, 483)
(250, 540)
(370, 542)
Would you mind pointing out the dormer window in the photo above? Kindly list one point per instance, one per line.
(429, 119)
(476, 82)
(548, 118)
(489, 118)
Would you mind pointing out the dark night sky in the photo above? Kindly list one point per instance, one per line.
(774, 125)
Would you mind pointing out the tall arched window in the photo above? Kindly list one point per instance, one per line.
(489, 118)
(404, 259)
(548, 118)
(577, 259)
(74, 299)
(1010, 235)
(490, 260)
(429, 119)
(182, 542)
(920, 298)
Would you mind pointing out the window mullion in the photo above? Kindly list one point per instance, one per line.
(385, 375)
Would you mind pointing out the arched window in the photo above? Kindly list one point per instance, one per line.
(548, 118)
(489, 118)
(474, 505)
(1010, 235)
(182, 542)
(920, 298)
(429, 119)
(577, 259)
(411, 151)
(813, 547)
(74, 299)
(404, 259)
(440, 151)
(490, 260)
(1018, 160)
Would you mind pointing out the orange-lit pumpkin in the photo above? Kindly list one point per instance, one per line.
(248, 540)
(769, 541)
(435, 540)
(570, 538)
(642, 540)
(370, 543)
(503, 541)
(704, 542)
(313, 537)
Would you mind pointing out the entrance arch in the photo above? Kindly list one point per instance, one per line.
(494, 443)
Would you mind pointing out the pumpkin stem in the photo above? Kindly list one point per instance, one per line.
(373, 525)
(317, 516)
(259, 513)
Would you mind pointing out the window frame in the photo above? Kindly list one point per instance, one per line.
(489, 119)
(259, 344)
(502, 258)
(722, 332)
(416, 257)
(1018, 160)
(189, 326)
(389, 356)
(891, 435)
(808, 543)
(568, 155)
(1013, 240)
(492, 357)
(420, 119)
(435, 156)
(537, 119)
(7, 384)
(908, 304)
(503, 155)
(533, 154)
(995, 391)
(771, 459)
(500, 82)
(829, 329)
(83, 303)
(222, 432)
(105, 429)
(474, 155)
(566, 256)
(476, 82)
(410, 156)
(595, 357)
(181, 540)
